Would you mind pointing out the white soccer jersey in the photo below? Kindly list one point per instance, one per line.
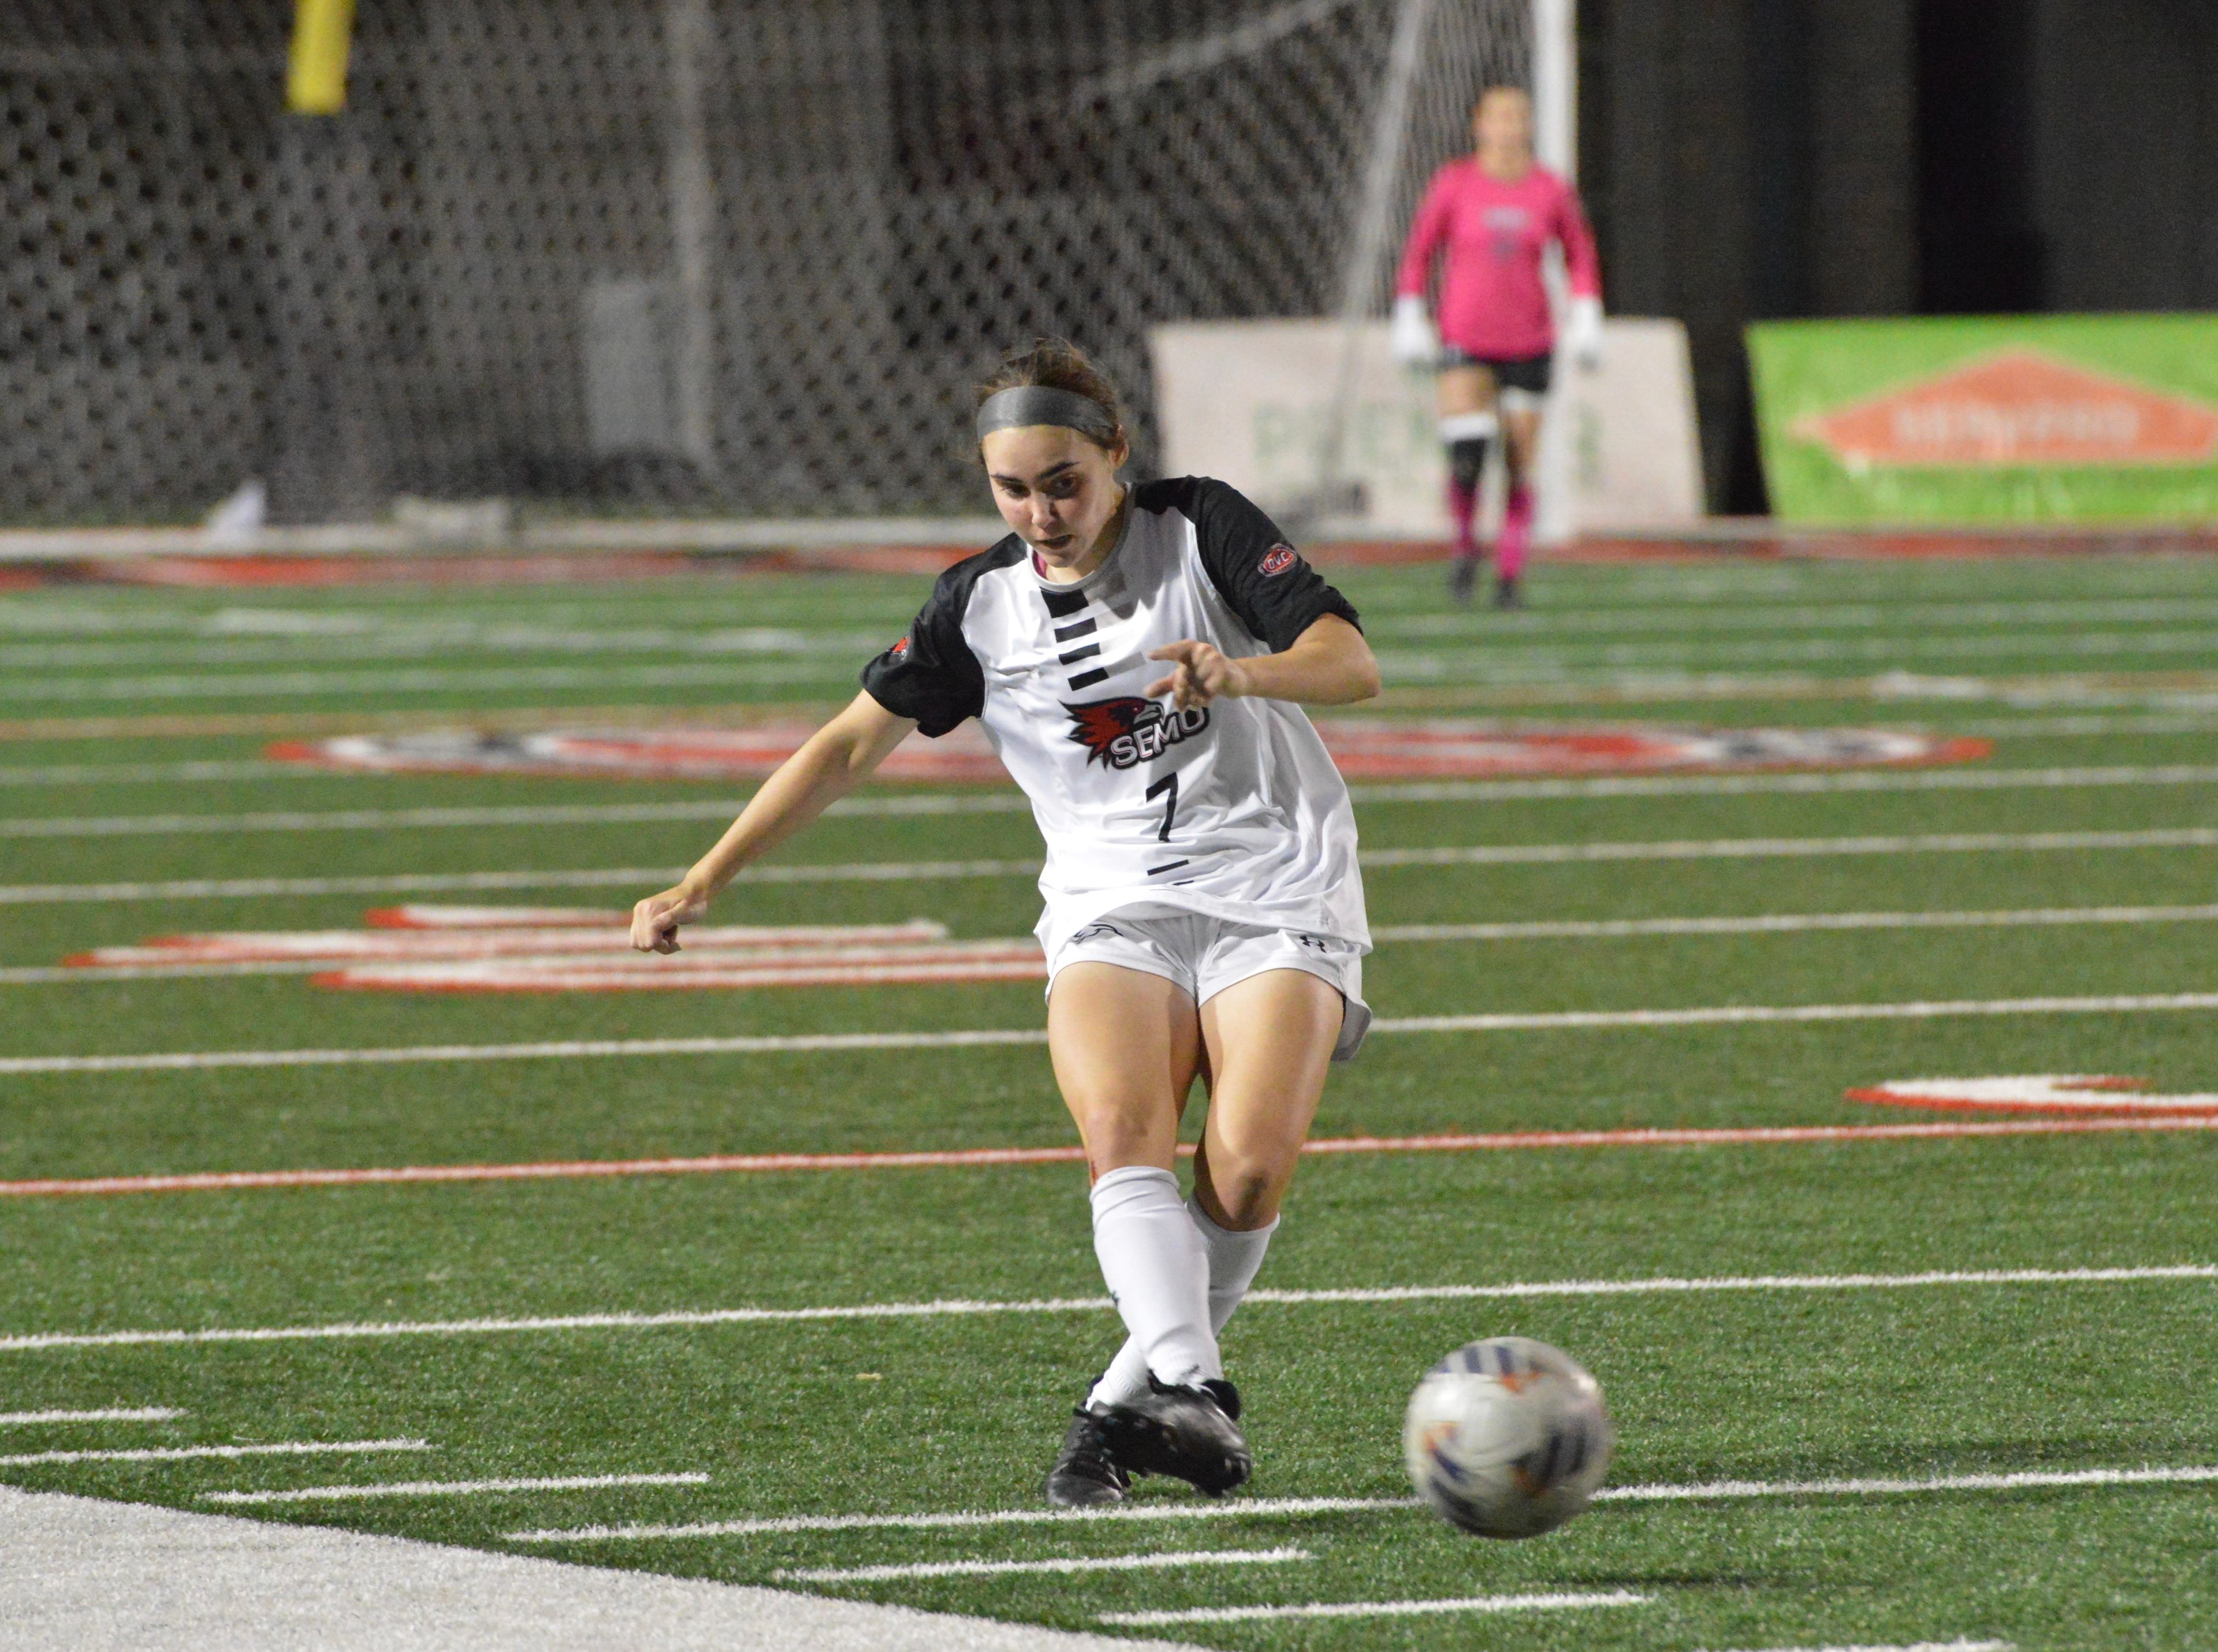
(1234, 809)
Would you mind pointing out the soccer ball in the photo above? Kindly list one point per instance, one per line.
(1507, 1438)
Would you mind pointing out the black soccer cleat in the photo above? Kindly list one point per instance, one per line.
(1506, 594)
(1088, 1474)
(1188, 1433)
(1463, 578)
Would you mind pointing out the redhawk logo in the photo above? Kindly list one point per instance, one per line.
(900, 648)
(1127, 732)
(1277, 560)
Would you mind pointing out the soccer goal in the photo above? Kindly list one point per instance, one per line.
(722, 256)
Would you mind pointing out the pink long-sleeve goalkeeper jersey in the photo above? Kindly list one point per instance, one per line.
(1493, 302)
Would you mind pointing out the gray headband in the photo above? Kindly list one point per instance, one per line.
(1040, 404)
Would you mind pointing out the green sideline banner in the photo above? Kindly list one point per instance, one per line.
(1988, 420)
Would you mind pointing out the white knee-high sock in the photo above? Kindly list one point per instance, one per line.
(1234, 1258)
(1158, 1269)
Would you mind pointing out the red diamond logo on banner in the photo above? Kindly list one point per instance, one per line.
(2019, 407)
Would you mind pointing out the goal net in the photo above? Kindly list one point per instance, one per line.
(739, 255)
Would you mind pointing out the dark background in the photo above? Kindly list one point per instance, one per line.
(196, 288)
(1748, 159)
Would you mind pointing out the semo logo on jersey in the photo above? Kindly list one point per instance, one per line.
(1127, 731)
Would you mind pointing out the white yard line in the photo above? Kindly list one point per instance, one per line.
(239, 639)
(1773, 848)
(1296, 1507)
(1760, 1014)
(1068, 1566)
(264, 685)
(769, 1044)
(1920, 1646)
(453, 1487)
(1840, 616)
(1816, 782)
(1494, 655)
(1238, 1508)
(181, 1453)
(454, 882)
(439, 643)
(928, 871)
(113, 1413)
(130, 774)
(1561, 1602)
(38, 1340)
(1562, 929)
(1775, 924)
(116, 825)
(1003, 802)
(808, 1043)
(2031, 1479)
(2031, 725)
(305, 667)
(75, 974)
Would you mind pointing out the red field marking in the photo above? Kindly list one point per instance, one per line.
(421, 917)
(1363, 748)
(582, 949)
(2067, 1095)
(426, 945)
(961, 1158)
(960, 962)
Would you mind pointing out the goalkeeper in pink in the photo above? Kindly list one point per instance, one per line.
(1493, 215)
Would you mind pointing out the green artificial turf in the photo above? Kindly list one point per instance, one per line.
(2067, 665)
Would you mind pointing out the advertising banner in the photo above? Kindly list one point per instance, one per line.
(1989, 419)
(1247, 402)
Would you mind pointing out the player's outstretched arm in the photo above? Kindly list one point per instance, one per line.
(1329, 665)
(835, 759)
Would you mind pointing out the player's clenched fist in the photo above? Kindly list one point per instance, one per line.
(655, 921)
(1201, 674)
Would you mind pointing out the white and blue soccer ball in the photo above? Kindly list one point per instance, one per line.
(1507, 1438)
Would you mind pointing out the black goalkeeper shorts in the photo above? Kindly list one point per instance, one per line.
(1531, 373)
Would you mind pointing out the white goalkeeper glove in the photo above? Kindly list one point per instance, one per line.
(1583, 333)
(1416, 343)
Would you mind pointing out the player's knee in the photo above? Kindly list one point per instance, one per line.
(1118, 1133)
(1467, 460)
(1249, 1186)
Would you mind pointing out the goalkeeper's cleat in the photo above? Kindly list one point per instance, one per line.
(1506, 594)
(1463, 578)
(1188, 1433)
(1088, 1474)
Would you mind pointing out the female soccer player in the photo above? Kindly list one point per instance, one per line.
(1204, 914)
(1495, 215)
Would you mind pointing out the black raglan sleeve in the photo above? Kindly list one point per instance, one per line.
(931, 674)
(1263, 579)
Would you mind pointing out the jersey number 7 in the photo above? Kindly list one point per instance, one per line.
(1167, 783)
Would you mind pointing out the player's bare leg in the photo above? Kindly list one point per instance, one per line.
(1126, 1046)
(1521, 449)
(1270, 1040)
(1265, 1044)
(1465, 397)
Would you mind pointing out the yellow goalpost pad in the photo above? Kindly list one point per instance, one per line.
(315, 83)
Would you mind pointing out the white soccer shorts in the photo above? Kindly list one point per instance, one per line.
(1204, 956)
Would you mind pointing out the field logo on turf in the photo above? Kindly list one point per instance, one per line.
(2069, 1093)
(585, 950)
(1364, 748)
(2018, 407)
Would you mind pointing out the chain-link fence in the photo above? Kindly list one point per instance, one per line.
(739, 255)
